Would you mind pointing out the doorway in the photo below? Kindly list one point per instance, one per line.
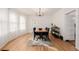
(70, 27)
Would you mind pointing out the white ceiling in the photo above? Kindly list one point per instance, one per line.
(32, 12)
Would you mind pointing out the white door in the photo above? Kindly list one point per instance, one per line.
(70, 26)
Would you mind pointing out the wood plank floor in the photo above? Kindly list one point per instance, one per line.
(20, 44)
(62, 45)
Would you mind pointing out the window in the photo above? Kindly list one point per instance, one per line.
(22, 23)
(13, 22)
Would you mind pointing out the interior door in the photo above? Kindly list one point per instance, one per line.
(70, 26)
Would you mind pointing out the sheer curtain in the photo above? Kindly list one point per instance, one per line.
(3, 22)
(13, 21)
(22, 23)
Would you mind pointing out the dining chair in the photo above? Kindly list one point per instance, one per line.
(46, 34)
(40, 28)
(36, 34)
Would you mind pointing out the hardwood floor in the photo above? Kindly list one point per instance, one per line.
(72, 42)
(62, 45)
(20, 44)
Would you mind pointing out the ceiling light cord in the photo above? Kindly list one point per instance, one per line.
(40, 12)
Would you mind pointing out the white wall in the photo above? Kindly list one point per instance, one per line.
(38, 21)
(58, 19)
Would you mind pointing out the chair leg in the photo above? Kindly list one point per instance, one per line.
(34, 37)
(45, 38)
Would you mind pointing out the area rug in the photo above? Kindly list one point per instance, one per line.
(32, 42)
(38, 42)
(43, 43)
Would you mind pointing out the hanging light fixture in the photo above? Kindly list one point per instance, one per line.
(40, 11)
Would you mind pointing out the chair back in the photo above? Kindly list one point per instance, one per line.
(40, 28)
(34, 29)
(47, 29)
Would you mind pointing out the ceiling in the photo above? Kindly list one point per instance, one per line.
(34, 12)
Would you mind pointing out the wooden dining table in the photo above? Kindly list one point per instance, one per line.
(42, 30)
